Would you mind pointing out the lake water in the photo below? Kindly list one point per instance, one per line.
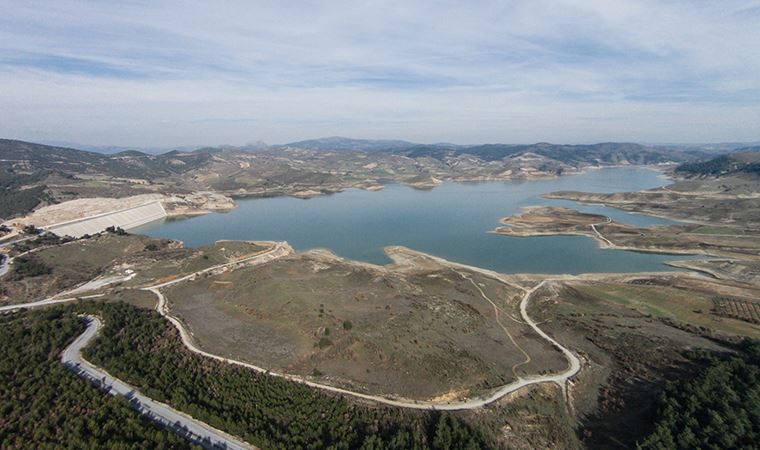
(451, 221)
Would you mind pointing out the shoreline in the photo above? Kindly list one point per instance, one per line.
(604, 245)
(579, 224)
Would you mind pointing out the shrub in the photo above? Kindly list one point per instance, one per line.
(31, 229)
(28, 267)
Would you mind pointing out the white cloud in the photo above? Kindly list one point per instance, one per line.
(172, 73)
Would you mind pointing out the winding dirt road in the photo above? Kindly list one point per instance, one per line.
(599, 235)
(281, 249)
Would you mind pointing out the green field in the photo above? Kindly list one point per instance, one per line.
(684, 306)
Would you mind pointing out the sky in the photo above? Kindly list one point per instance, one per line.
(170, 73)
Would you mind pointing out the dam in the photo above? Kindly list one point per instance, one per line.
(127, 219)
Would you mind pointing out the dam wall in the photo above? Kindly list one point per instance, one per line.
(125, 218)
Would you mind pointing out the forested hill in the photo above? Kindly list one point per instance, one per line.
(719, 408)
(27, 157)
(33, 175)
(604, 153)
(744, 162)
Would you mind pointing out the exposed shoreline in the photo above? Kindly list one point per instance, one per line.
(199, 203)
(675, 239)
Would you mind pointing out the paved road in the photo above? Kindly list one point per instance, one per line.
(46, 302)
(73, 293)
(280, 249)
(4, 264)
(176, 421)
(9, 243)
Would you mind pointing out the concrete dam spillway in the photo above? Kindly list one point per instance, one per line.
(125, 218)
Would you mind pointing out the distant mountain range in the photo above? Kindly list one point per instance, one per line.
(605, 153)
(437, 150)
(33, 174)
(112, 149)
(139, 164)
(342, 143)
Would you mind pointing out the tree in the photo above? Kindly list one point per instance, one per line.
(720, 408)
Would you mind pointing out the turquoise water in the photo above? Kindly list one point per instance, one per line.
(451, 221)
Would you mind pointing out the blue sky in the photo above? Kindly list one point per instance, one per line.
(165, 73)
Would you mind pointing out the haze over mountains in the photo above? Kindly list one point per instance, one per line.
(25, 157)
(336, 143)
(28, 156)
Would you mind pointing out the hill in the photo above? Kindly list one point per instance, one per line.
(746, 161)
(28, 158)
(33, 175)
(610, 153)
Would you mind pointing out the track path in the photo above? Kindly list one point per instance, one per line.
(599, 235)
(280, 249)
(496, 311)
(574, 364)
(71, 295)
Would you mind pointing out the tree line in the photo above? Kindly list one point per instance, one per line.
(718, 409)
(44, 406)
(143, 349)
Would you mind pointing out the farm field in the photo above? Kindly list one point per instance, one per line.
(689, 307)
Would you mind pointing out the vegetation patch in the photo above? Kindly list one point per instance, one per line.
(26, 267)
(720, 408)
(687, 307)
(737, 308)
(324, 342)
(628, 353)
(44, 406)
(143, 349)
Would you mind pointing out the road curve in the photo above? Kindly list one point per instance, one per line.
(599, 235)
(280, 249)
(166, 416)
(92, 285)
(574, 364)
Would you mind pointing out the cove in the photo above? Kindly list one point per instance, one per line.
(452, 221)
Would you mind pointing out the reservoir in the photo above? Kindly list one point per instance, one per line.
(452, 221)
